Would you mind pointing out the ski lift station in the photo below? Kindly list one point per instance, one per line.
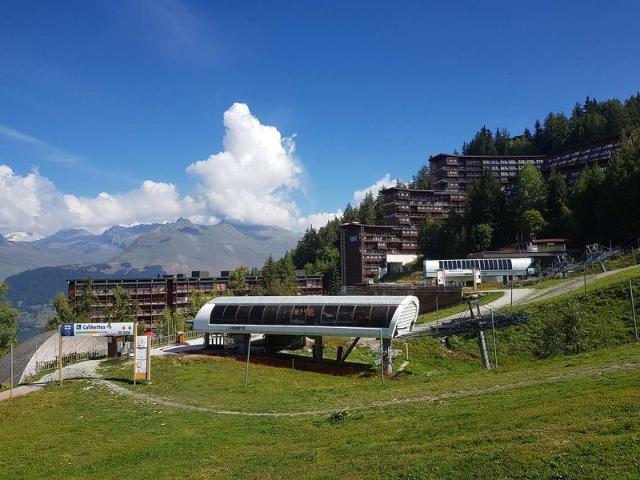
(287, 320)
(477, 270)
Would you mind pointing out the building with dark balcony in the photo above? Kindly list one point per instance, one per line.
(369, 251)
(153, 295)
(407, 207)
(571, 163)
(366, 250)
(455, 174)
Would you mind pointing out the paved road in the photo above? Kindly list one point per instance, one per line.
(523, 296)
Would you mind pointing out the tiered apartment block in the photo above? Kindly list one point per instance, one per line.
(153, 295)
(455, 174)
(369, 251)
(570, 164)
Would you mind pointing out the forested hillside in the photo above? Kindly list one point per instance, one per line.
(603, 206)
(589, 123)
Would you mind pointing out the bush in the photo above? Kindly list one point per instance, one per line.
(565, 333)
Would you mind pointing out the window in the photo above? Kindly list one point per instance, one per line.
(312, 315)
(345, 314)
(270, 313)
(216, 314)
(243, 313)
(255, 317)
(298, 315)
(379, 316)
(229, 315)
(284, 315)
(361, 316)
(329, 313)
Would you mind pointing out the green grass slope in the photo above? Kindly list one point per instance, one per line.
(549, 419)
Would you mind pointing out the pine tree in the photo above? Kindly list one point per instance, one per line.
(367, 210)
(420, 180)
(350, 214)
(531, 190)
(238, 281)
(623, 189)
(557, 207)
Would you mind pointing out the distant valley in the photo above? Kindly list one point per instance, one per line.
(36, 271)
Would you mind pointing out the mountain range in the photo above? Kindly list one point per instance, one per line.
(36, 271)
(177, 247)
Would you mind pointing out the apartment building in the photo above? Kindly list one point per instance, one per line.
(408, 207)
(455, 174)
(570, 164)
(153, 295)
(366, 250)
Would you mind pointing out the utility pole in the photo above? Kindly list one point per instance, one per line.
(584, 276)
(633, 310)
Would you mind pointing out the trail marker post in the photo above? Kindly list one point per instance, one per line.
(633, 310)
(11, 373)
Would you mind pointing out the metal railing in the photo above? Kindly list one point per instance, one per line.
(163, 340)
(70, 358)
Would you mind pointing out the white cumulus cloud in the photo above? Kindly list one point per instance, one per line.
(251, 179)
(384, 182)
(32, 203)
(317, 220)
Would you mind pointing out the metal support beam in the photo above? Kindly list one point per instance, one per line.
(344, 356)
(484, 354)
(318, 350)
(387, 365)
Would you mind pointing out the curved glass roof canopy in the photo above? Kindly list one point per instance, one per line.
(356, 316)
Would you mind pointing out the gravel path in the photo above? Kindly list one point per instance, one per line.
(120, 390)
(86, 369)
(523, 296)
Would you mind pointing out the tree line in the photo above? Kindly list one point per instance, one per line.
(590, 122)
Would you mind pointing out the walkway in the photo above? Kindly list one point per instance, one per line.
(523, 296)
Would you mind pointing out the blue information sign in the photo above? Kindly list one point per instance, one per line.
(66, 329)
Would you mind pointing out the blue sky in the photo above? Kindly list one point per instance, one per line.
(101, 96)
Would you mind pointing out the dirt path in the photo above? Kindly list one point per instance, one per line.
(117, 389)
(86, 369)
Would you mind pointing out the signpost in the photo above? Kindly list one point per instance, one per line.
(142, 358)
(110, 329)
(96, 329)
